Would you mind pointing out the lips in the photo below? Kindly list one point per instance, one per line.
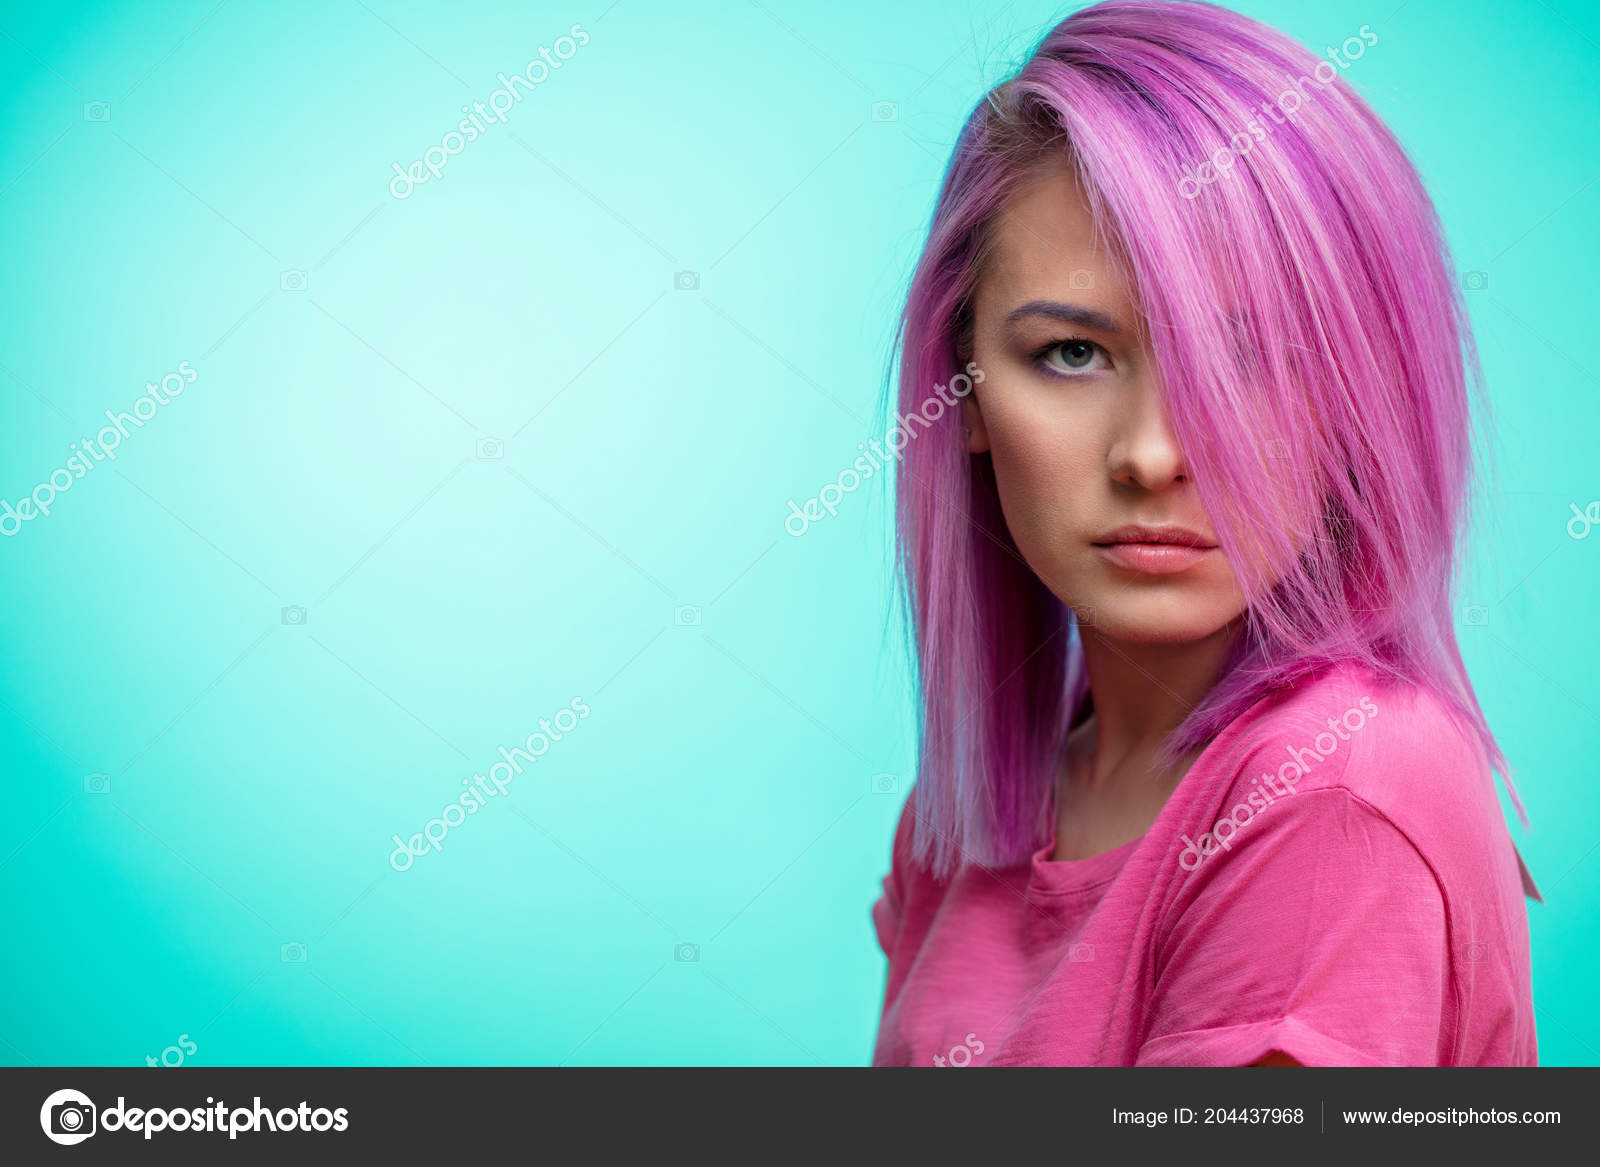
(1155, 550)
(1177, 536)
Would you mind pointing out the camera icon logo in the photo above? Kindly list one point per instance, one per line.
(686, 281)
(1081, 953)
(1080, 279)
(885, 111)
(97, 783)
(885, 783)
(686, 616)
(293, 953)
(1477, 952)
(1278, 449)
(68, 1117)
(294, 614)
(686, 953)
(1475, 281)
(490, 449)
(293, 280)
(1476, 615)
(1085, 616)
(97, 111)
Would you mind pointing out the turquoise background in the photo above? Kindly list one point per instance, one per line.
(628, 544)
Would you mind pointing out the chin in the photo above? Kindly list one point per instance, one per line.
(1151, 620)
(1155, 632)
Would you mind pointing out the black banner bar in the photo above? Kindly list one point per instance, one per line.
(207, 1115)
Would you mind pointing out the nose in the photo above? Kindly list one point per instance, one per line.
(1143, 450)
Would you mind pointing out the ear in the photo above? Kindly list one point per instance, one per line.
(972, 417)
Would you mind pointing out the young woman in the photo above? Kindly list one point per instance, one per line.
(1203, 780)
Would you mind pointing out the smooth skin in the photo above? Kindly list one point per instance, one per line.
(1071, 413)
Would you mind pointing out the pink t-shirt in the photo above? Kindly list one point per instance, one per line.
(1333, 879)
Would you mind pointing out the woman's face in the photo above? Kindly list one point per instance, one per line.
(1071, 413)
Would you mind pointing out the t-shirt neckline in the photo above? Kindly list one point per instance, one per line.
(1059, 876)
(1067, 876)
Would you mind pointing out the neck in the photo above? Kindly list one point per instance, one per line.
(1143, 691)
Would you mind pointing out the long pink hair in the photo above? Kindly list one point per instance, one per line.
(1304, 318)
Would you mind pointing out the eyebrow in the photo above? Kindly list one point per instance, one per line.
(1067, 313)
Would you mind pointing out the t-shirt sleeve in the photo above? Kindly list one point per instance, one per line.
(1320, 933)
(886, 910)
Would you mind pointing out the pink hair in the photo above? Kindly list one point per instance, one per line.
(1303, 315)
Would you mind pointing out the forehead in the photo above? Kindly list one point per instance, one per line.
(1044, 242)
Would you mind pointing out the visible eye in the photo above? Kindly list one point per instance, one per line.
(1068, 358)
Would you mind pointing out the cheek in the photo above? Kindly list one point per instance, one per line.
(1045, 467)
